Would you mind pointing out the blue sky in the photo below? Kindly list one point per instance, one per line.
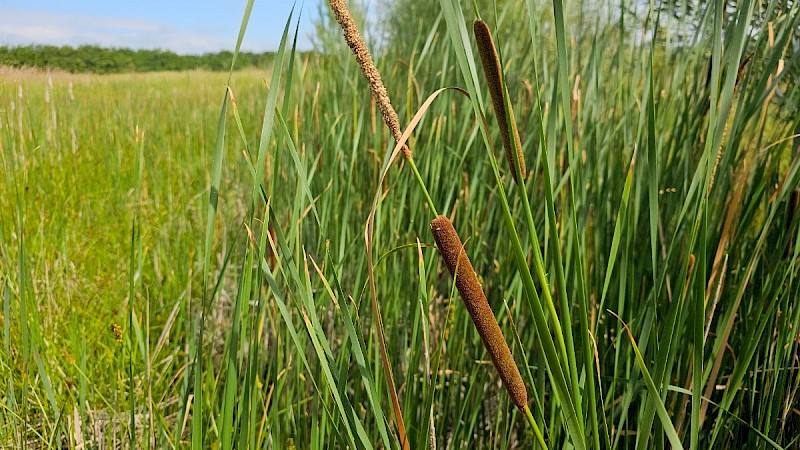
(184, 26)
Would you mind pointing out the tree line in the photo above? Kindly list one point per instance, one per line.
(89, 58)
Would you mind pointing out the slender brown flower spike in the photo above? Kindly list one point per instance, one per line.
(494, 77)
(364, 58)
(461, 269)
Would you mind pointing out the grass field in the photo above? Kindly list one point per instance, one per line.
(188, 266)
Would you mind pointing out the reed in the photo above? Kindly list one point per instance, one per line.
(364, 58)
(460, 267)
(505, 116)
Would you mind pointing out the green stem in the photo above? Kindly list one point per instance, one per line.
(536, 431)
(561, 279)
(565, 340)
(566, 346)
(422, 186)
(558, 377)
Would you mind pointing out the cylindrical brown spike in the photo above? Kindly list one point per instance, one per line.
(494, 78)
(461, 269)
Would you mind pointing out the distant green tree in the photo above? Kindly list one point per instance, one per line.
(90, 58)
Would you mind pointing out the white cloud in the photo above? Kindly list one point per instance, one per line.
(27, 27)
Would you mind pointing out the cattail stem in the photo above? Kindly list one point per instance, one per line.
(502, 104)
(460, 267)
(422, 186)
(536, 431)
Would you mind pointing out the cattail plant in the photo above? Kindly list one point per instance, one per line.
(445, 235)
(460, 267)
(469, 287)
(505, 116)
(364, 58)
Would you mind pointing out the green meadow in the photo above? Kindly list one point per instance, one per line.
(246, 260)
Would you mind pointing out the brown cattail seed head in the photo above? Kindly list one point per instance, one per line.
(494, 78)
(461, 269)
(364, 58)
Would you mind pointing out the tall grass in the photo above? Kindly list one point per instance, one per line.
(180, 272)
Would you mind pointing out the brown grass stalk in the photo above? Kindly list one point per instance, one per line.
(469, 287)
(364, 58)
